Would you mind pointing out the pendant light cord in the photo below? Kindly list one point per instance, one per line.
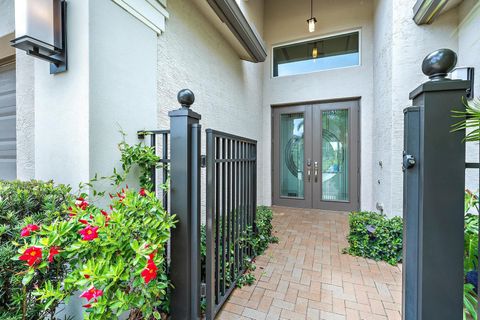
(311, 9)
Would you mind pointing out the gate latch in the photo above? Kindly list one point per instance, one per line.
(203, 161)
(408, 161)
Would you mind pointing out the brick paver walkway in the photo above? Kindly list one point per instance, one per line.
(305, 275)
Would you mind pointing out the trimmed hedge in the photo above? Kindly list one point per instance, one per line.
(373, 235)
(23, 203)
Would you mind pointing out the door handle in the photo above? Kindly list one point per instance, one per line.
(309, 163)
(315, 170)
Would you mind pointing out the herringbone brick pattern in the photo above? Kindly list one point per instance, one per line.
(305, 275)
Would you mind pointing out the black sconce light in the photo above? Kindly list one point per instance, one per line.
(41, 30)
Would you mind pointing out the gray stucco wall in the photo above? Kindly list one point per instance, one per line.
(192, 54)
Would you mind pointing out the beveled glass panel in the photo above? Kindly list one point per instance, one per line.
(292, 155)
(335, 134)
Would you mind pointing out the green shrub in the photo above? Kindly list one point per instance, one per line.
(23, 203)
(263, 237)
(373, 235)
(258, 241)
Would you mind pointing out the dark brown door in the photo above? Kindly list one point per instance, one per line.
(315, 156)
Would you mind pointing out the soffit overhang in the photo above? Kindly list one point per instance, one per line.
(229, 20)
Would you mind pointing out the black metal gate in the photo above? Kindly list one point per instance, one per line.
(230, 211)
(231, 205)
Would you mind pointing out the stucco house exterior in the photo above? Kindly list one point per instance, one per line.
(245, 61)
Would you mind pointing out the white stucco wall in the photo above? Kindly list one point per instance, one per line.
(400, 46)
(382, 115)
(411, 43)
(285, 22)
(110, 84)
(192, 54)
(122, 87)
(469, 56)
(25, 73)
(62, 107)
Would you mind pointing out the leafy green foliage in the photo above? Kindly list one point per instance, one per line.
(111, 258)
(142, 156)
(470, 120)
(258, 241)
(469, 302)
(23, 203)
(373, 235)
(116, 259)
(470, 297)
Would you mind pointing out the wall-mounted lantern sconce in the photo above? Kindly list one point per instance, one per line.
(465, 73)
(40, 30)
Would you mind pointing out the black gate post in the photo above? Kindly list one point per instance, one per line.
(433, 208)
(185, 203)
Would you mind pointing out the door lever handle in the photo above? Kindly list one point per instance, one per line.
(309, 163)
(315, 171)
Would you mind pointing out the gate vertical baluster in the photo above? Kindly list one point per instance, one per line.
(223, 167)
(229, 215)
(237, 206)
(217, 222)
(254, 147)
(153, 174)
(165, 169)
(210, 224)
(244, 184)
(240, 217)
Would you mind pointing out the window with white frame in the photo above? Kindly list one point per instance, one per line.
(331, 52)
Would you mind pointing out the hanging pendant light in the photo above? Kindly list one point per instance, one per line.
(311, 22)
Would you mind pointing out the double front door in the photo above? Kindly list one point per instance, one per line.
(315, 156)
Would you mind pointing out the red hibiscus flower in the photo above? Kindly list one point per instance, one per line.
(150, 271)
(52, 253)
(81, 203)
(83, 221)
(91, 293)
(88, 305)
(142, 192)
(32, 255)
(87, 276)
(89, 233)
(29, 228)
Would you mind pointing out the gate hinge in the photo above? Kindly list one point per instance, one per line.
(203, 161)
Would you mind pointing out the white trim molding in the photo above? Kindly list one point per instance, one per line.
(152, 13)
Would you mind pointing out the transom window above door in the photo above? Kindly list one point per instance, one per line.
(332, 52)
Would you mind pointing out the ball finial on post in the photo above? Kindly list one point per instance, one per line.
(439, 63)
(186, 98)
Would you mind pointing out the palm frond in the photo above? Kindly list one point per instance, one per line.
(470, 119)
